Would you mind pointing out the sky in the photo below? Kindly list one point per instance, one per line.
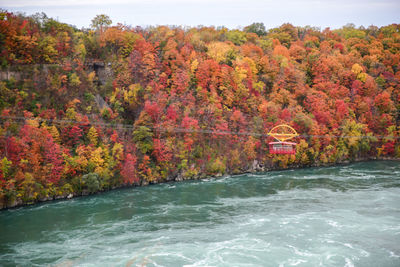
(228, 13)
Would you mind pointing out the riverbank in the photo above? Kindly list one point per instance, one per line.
(255, 168)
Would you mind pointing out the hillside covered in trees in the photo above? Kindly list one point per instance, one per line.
(93, 109)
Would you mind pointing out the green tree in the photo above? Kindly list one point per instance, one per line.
(237, 37)
(100, 22)
(92, 182)
(143, 137)
(257, 28)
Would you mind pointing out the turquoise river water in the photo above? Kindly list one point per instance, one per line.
(334, 216)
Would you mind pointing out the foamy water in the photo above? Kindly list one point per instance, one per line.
(337, 216)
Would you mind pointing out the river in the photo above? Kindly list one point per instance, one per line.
(332, 216)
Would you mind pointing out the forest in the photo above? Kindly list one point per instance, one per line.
(89, 110)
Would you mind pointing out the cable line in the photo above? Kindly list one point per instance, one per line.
(119, 126)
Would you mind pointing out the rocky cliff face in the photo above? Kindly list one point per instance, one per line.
(20, 72)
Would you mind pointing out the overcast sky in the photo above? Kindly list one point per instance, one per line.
(229, 13)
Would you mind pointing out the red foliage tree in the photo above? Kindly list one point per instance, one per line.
(128, 170)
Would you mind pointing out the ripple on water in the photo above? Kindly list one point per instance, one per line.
(336, 216)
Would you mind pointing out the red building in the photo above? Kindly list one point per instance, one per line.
(282, 148)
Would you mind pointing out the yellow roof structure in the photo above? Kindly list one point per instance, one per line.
(283, 132)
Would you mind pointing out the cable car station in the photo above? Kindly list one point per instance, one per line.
(282, 133)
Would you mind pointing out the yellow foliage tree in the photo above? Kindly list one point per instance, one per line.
(54, 133)
(118, 151)
(358, 70)
(96, 157)
(93, 136)
(218, 51)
